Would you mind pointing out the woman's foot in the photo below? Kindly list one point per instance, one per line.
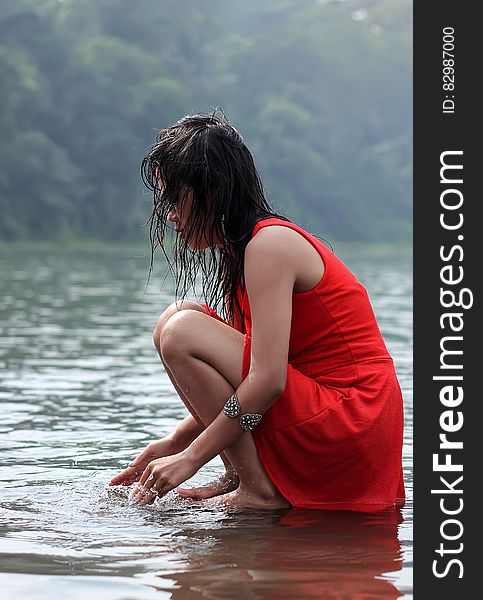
(225, 483)
(242, 498)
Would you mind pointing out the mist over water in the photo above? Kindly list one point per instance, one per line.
(82, 391)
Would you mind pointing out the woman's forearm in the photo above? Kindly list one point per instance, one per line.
(255, 395)
(185, 432)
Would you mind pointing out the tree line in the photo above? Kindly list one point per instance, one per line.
(319, 89)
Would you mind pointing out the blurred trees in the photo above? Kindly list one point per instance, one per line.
(320, 90)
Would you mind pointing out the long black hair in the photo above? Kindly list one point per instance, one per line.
(204, 154)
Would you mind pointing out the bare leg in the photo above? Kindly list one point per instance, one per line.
(206, 366)
(229, 480)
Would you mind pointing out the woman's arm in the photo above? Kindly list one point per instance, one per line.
(176, 441)
(270, 273)
(185, 432)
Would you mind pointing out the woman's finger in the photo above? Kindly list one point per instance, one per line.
(145, 495)
(147, 474)
(128, 474)
(163, 490)
(151, 493)
(163, 486)
(140, 490)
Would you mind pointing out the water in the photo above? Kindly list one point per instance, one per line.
(82, 392)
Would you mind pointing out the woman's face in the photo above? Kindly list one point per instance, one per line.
(179, 215)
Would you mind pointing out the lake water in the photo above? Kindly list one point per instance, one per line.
(82, 391)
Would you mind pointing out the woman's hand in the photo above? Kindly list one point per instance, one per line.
(156, 449)
(163, 475)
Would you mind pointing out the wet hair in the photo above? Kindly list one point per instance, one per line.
(205, 154)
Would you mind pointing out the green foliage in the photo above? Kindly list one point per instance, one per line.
(320, 90)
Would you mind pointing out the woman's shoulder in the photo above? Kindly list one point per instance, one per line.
(291, 247)
(283, 236)
(267, 236)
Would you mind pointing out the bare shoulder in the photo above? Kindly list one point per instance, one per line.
(269, 255)
(280, 247)
(275, 239)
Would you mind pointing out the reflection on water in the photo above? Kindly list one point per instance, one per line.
(298, 554)
(82, 391)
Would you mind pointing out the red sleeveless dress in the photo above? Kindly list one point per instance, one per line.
(333, 438)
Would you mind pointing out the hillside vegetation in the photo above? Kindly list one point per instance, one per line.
(320, 90)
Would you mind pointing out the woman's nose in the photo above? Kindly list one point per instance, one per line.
(173, 215)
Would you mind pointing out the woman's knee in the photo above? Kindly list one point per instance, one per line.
(171, 310)
(176, 340)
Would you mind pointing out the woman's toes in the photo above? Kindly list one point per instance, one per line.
(198, 493)
(187, 492)
(226, 483)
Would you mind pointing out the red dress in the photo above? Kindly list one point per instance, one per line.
(333, 438)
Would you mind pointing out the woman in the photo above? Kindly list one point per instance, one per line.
(294, 387)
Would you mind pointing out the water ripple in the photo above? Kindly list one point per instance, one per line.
(82, 391)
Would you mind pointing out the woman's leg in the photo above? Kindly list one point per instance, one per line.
(229, 480)
(204, 357)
